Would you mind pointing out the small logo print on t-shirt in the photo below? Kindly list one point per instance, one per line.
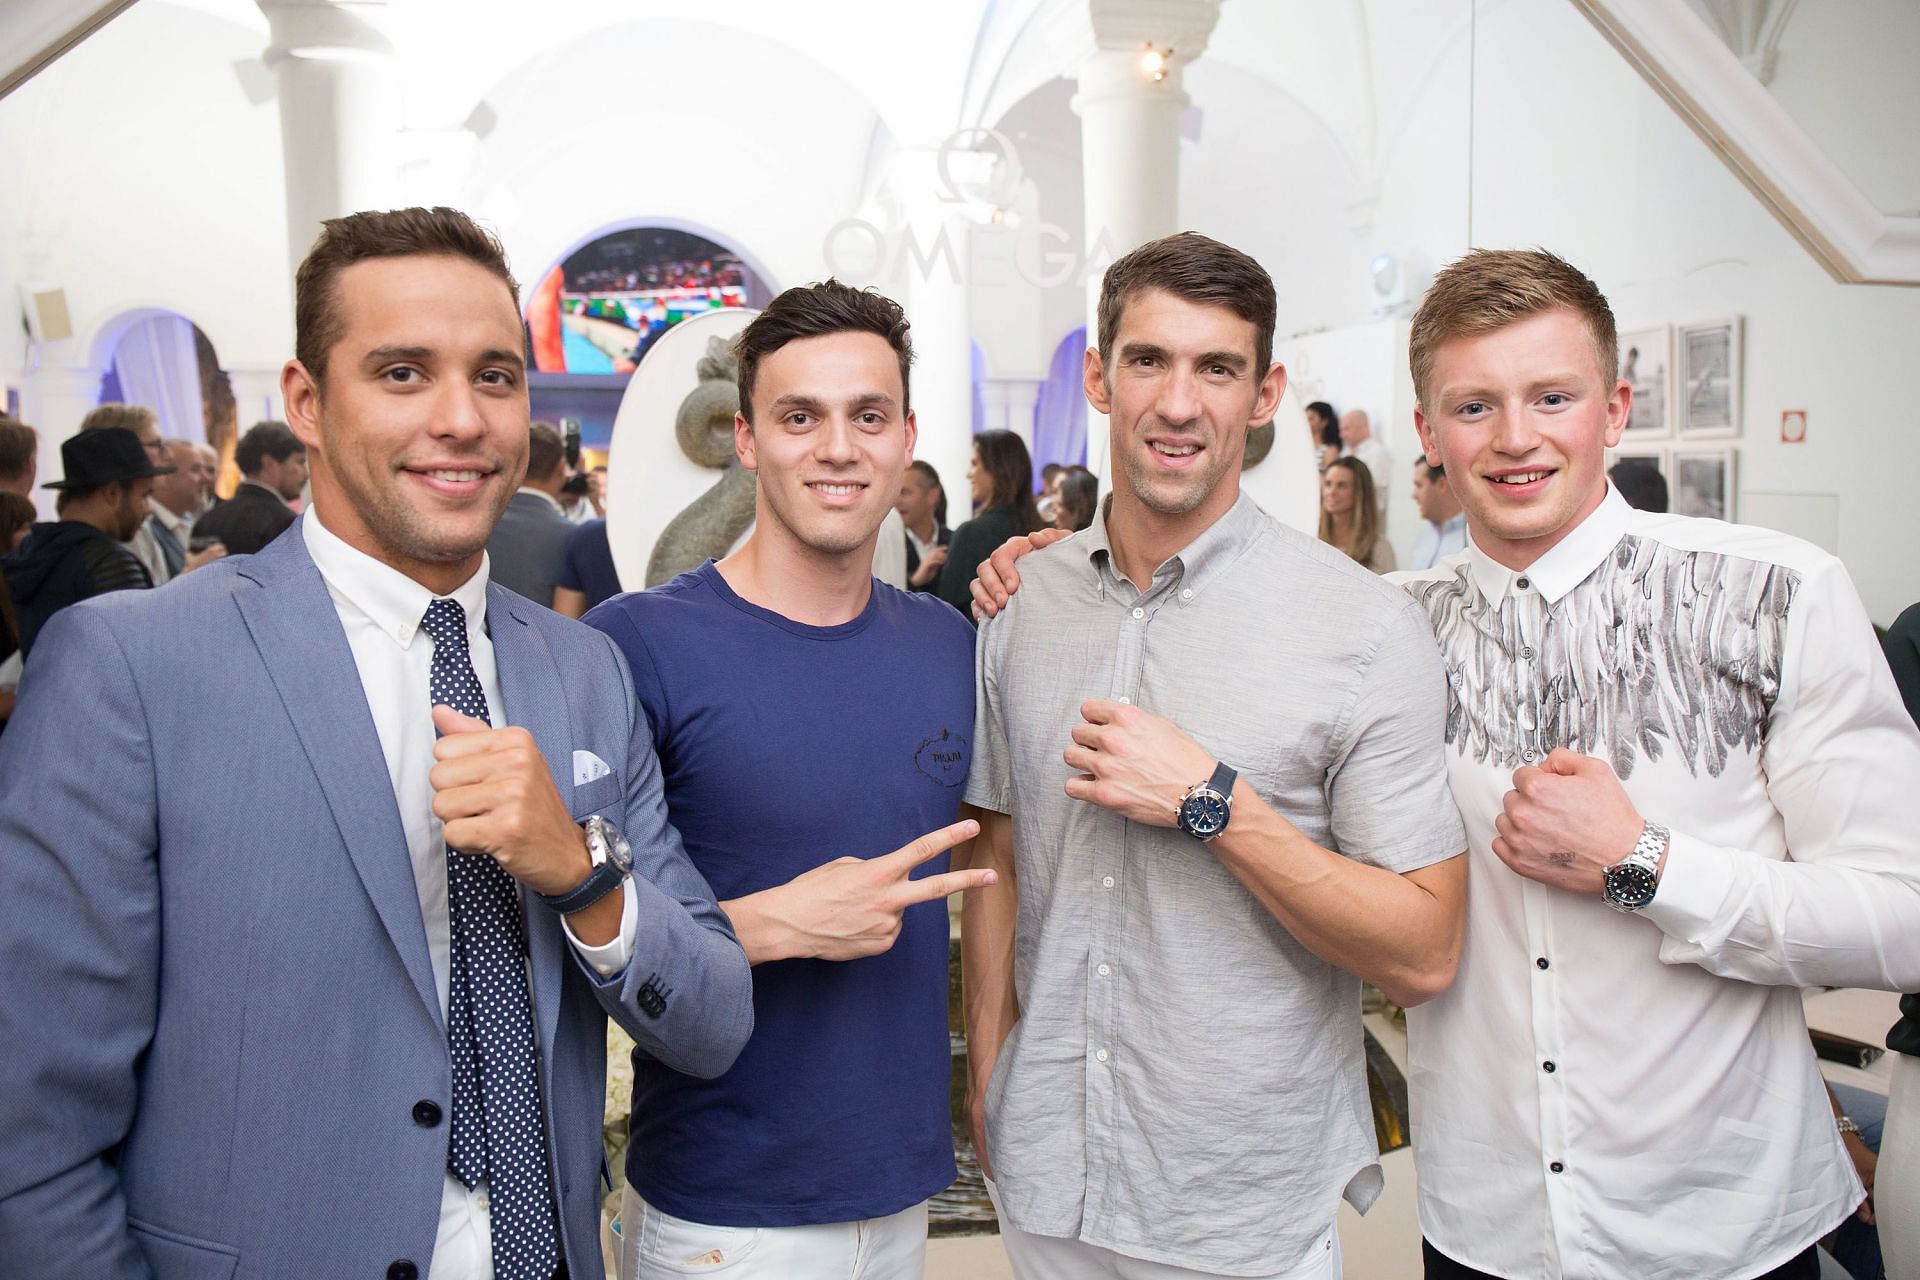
(943, 758)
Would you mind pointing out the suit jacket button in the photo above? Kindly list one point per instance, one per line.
(426, 1113)
(403, 1270)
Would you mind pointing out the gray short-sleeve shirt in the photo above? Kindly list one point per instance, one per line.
(1186, 1082)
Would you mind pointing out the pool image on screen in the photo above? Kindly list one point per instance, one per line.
(600, 310)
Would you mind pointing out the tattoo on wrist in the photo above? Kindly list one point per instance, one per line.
(1560, 858)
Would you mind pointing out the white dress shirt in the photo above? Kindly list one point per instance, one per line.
(1623, 1096)
(381, 609)
(1607, 1095)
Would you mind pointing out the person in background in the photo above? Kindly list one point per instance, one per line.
(530, 543)
(209, 459)
(1002, 481)
(1048, 503)
(1323, 433)
(1443, 528)
(169, 528)
(1897, 1180)
(273, 464)
(1079, 492)
(103, 499)
(1350, 516)
(19, 457)
(1358, 441)
(16, 520)
(923, 509)
(587, 575)
(1644, 488)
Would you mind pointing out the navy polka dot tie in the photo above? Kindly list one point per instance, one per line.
(497, 1136)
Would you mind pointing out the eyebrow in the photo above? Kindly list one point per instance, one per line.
(1231, 359)
(421, 355)
(1533, 388)
(816, 406)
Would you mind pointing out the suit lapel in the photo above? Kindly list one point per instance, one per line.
(293, 623)
(534, 698)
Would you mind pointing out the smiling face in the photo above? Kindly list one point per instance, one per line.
(1521, 418)
(1336, 491)
(829, 440)
(419, 438)
(1181, 395)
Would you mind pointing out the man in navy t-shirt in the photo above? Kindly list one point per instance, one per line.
(814, 727)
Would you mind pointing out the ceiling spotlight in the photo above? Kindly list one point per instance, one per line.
(1154, 62)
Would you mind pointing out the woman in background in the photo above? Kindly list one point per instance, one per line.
(1323, 428)
(1079, 498)
(1349, 516)
(1002, 480)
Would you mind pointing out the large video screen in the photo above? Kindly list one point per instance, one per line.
(600, 310)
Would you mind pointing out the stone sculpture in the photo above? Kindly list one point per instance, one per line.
(714, 521)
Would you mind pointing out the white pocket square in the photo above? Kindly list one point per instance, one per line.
(588, 766)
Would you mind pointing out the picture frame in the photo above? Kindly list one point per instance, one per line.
(1707, 379)
(1646, 364)
(1632, 458)
(1705, 482)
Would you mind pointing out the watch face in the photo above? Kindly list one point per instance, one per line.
(619, 852)
(1630, 886)
(1204, 814)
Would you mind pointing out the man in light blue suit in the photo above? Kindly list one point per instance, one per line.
(315, 865)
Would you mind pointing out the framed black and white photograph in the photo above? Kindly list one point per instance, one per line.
(1707, 357)
(1640, 474)
(1645, 359)
(1702, 481)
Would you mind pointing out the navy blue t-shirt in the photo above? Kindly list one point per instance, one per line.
(587, 565)
(786, 746)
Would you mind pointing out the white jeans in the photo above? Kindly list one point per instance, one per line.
(658, 1246)
(1052, 1258)
(1896, 1181)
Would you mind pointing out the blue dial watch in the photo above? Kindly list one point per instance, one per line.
(1207, 806)
(612, 863)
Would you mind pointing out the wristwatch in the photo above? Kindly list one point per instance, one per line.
(612, 863)
(1207, 806)
(1631, 882)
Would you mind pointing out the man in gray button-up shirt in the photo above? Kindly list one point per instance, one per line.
(1165, 1031)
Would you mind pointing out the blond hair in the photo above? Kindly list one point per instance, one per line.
(134, 417)
(1490, 289)
(1366, 513)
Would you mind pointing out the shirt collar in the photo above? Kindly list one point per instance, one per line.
(175, 524)
(545, 497)
(1564, 566)
(392, 601)
(1198, 563)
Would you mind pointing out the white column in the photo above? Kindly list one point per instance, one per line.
(1009, 404)
(1130, 140)
(339, 110)
(933, 238)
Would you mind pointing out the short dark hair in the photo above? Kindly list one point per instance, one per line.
(16, 513)
(1048, 472)
(19, 445)
(1079, 496)
(1200, 270)
(932, 478)
(814, 311)
(358, 237)
(1643, 487)
(1435, 470)
(546, 449)
(265, 440)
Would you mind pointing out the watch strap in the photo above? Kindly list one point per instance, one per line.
(603, 880)
(1223, 780)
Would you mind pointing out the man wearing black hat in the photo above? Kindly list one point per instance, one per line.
(84, 553)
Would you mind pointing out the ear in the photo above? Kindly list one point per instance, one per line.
(743, 442)
(1267, 403)
(1094, 381)
(913, 434)
(1424, 429)
(300, 394)
(1619, 409)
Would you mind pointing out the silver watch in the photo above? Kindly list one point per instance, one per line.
(1629, 884)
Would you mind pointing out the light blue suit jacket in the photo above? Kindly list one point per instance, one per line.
(217, 1011)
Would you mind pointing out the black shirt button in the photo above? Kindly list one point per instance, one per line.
(403, 1270)
(1557, 1167)
(1548, 1067)
(426, 1113)
(1541, 963)
(1523, 583)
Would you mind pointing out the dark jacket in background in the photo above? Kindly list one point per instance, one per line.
(246, 522)
(942, 537)
(1902, 646)
(61, 563)
(529, 546)
(973, 542)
